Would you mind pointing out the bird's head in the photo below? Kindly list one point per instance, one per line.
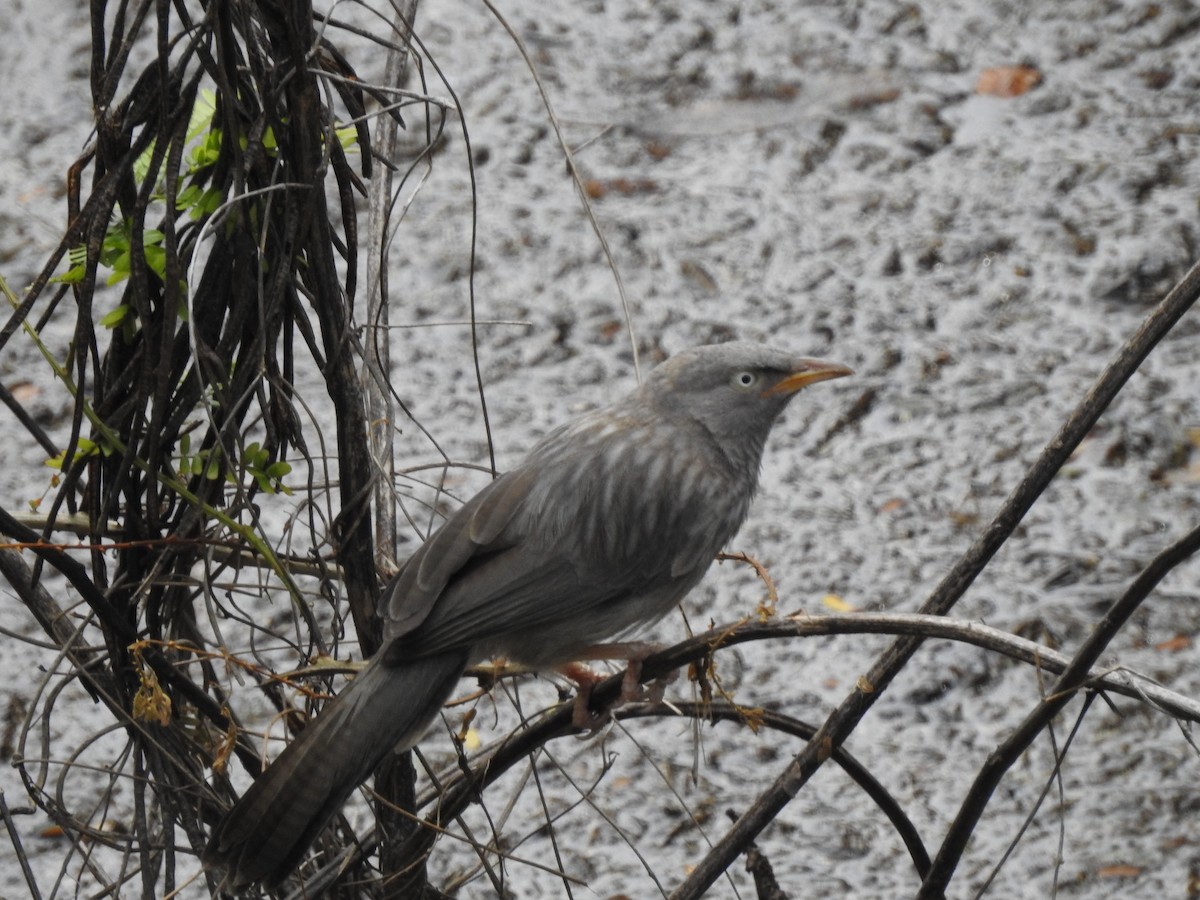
(735, 391)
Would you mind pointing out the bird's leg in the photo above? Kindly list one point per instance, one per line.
(585, 679)
(634, 653)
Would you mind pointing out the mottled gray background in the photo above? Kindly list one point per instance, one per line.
(826, 177)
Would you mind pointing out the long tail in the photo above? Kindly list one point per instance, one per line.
(264, 836)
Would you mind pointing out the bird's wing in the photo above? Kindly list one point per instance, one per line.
(515, 591)
(539, 549)
(473, 528)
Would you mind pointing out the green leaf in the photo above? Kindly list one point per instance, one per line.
(141, 165)
(156, 260)
(116, 317)
(202, 114)
(188, 197)
(114, 246)
(73, 275)
(77, 266)
(120, 270)
(278, 469)
(83, 448)
(207, 204)
(205, 153)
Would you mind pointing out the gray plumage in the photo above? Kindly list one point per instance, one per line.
(603, 527)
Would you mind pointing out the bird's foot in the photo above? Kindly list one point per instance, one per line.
(632, 690)
(585, 678)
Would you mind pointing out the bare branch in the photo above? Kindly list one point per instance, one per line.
(849, 713)
(1073, 677)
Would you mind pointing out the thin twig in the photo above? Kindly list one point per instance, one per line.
(1055, 778)
(376, 368)
(843, 720)
(14, 837)
(1069, 682)
(579, 185)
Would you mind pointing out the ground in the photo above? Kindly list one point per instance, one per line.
(834, 179)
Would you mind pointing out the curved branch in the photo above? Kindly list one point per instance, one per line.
(1075, 675)
(459, 789)
(859, 774)
(843, 720)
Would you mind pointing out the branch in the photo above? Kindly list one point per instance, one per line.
(396, 780)
(843, 720)
(458, 789)
(1073, 677)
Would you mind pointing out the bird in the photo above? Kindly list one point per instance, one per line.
(602, 528)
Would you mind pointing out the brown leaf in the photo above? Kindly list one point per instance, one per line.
(876, 98)
(598, 188)
(1179, 642)
(24, 391)
(658, 151)
(1120, 871)
(610, 328)
(1007, 81)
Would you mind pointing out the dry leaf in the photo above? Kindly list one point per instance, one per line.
(224, 749)
(1007, 81)
(471, 740)
(1120, 871)
(150, 703)
(24, 391)
(876, 98)
(610, 328)
(657, 150)
(837, 604)
(597, 188)
(1179, 642)
(962, 518)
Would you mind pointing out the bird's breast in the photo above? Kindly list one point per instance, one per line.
(641, 496)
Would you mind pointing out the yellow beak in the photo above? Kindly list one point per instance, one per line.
(808, 371)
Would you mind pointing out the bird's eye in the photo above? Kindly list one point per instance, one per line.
(744, 381)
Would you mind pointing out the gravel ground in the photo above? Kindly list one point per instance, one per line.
(829, 178)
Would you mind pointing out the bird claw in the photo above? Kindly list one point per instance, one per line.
(632, 690)
(583, 716)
